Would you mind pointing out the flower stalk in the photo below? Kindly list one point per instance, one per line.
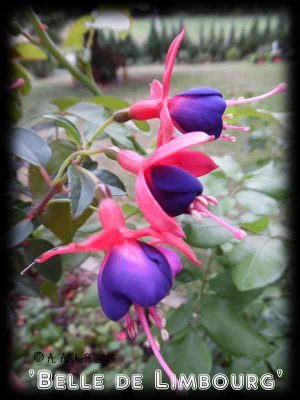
(49, 45)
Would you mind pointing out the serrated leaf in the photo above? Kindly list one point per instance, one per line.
(28, 52)
(257, 202)
(30, 146)
(50, 269)
(270, 180)
(257, 261)
(205, 234)
(223, 321)
(68, 125)
(82, 190)
(224, 286)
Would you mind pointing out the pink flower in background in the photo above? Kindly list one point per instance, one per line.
(132, 272)
(200, 109)
(167, 184)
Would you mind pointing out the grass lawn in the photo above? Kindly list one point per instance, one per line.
(233, 79)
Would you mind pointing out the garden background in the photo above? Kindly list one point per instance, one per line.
(232, 314)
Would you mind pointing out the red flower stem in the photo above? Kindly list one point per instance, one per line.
(39, 208)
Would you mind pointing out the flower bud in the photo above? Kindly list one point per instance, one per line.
(122, 115)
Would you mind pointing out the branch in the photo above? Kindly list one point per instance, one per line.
(49, 45)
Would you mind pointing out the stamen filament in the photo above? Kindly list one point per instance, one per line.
(28, 267)
(238, 233)
(236, 127)
(278, 89)
(141, 314)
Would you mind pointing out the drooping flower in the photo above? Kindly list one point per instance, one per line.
(167, 184)
(132, 272)
(200, 109)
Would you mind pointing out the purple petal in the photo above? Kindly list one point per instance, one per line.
(198, 109)
(174, 188)
(134, 272)
(173, 259)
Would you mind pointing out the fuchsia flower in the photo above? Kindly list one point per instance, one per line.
(132, 272)
(199, 109)
(167, 184)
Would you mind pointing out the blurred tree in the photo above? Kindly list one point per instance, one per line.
(164, 39)
(231, 41)
(153, 46)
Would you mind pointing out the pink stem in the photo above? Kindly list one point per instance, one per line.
(45, 175)
(238, 233)
(278, 89)
(142, 317)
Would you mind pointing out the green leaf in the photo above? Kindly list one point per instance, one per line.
(179, 319)
(257, 226)
(29, 52)
(244, 365)
(279, 359)
(58, 218)
(188, 355)
(61, 149)
(257, 261)
(270, 180)
(142, 125)
(115, 185)
(37, 185)
(91, 298)
(18, 71)
(257, 202)
(74, 36)
(117, 133)
(64, 102)
(206, 233)
(19, 232)
(50, 269)
(30, 146)
(223, 285)
(111, 102)
(230, 167)
(187, 275)
(50, 290)
(88, 111)
(129, 209)
(70, 128)
(82, 190)
(223, 321)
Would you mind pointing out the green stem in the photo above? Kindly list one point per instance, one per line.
(49, 45)
(100, 129)
(67, 161)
